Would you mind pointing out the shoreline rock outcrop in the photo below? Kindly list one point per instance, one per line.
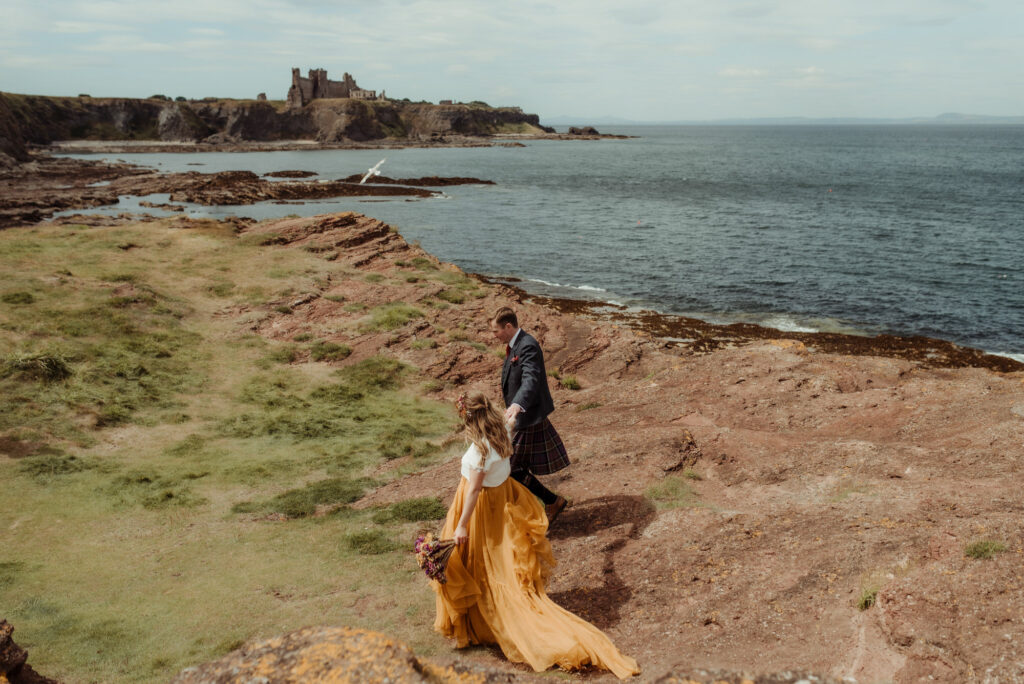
(34, 191)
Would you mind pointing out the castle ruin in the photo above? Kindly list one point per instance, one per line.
(318, 86)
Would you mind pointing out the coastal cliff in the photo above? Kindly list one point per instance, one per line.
(40, 120)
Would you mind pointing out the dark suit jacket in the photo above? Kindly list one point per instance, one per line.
(525, 382)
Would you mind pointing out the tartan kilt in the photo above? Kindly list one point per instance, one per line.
(538, 449)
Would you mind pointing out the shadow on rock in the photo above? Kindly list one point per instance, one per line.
(601, 605)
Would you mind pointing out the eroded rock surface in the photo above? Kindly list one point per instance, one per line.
(757, 503)
(342, 654)
(332, 654)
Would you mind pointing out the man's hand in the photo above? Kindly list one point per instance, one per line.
(511, 412)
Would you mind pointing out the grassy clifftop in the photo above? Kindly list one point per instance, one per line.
(159, 455)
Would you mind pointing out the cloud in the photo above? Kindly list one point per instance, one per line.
(127, 44)
(737, 72)
(85, 27)
(819, 43)
(572, 55)
(809, 78)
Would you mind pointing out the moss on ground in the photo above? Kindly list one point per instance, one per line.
(144, 421)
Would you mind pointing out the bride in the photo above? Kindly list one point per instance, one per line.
(496, 577)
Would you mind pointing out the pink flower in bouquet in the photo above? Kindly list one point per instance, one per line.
(432, 556)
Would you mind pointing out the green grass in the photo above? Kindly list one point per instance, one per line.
(569, 382)
(17, 298)
(168, 467)
(868, 596)
(411, 510)
(984, 548)
(284, 354)
(588, 406)
(424, 264)
(53, 463)
(108, 354)
(303, 501)
(221, 289)
(371, 543)
(672, 492)
(329, 351)
(44, 367)
(451, 296)
(390, 317)
(431, 386)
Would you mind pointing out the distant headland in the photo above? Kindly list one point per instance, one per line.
(316, 110)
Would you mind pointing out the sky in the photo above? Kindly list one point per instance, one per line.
(635, 59)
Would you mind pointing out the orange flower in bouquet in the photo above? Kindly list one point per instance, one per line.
(433, 554)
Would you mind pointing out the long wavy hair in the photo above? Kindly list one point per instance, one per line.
(484, 425)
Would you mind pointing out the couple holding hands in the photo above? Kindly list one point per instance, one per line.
(496, 578)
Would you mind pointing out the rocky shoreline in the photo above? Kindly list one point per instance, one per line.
(703, 337)
(160, 147)
(35, 191)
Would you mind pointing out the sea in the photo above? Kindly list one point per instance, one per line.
(902, 229)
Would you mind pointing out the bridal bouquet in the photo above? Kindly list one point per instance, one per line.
(432, 555)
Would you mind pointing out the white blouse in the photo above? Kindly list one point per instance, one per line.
(497, 469)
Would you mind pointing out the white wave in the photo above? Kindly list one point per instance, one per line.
(584, 288)
(787, 324)
(1009, 355)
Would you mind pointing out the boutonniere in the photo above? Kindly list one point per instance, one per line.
(514, 359)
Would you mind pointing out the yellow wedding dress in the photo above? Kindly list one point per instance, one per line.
(495, 590)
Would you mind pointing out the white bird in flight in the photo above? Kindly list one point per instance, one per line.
(374, 171)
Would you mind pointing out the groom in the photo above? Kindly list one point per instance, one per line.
(536, 447)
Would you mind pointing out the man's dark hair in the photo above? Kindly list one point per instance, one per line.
(505, 315)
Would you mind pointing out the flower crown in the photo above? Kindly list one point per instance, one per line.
(460, 403)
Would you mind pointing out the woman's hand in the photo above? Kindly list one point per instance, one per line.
(461, 535)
